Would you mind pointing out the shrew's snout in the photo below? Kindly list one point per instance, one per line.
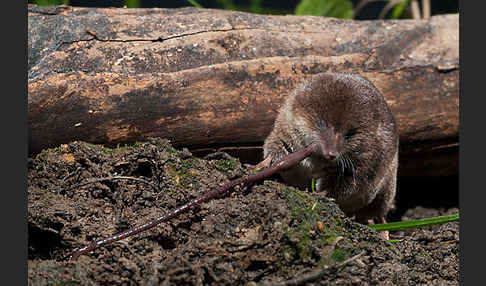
(330, 144)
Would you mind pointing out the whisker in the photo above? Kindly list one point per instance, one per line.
(343, 164)
(339, 167)
(353, 169)
(350, 166)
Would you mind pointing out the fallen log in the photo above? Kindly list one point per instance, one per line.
(209, 78)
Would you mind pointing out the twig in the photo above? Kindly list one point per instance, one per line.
(426, 9)
(415, 9)
(110, 178)
(63, 180)
(316, 274)
(287, 162)
(387, 8)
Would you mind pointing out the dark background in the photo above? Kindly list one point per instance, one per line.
(370, 11)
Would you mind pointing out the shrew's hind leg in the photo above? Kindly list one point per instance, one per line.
(376, 212)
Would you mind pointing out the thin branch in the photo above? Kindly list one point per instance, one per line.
(415, 9)
(387, 8)
(426, 8)
(63, 180)
(316, 274)
(111, 178)
(287, 162)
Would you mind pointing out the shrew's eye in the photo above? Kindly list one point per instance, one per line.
(350, 133)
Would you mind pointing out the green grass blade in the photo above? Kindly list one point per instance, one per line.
(256, 6)
(195, 4)
(226, 4)
(394, 240)
(313, 185)
(132, 3)
(399, 8)
(415, 223)
(326, 8)
(51, 2)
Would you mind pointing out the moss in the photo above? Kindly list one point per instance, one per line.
(189, 172)
(339, 255)
(304, 214)
(128, 147)
(174, 176)
(120, 149)
(191, 163)
(226, 164)
(42, 156)
(314, 229)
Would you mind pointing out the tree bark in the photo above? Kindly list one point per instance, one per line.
(204, 78)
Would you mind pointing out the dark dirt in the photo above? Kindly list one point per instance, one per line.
(265, 235)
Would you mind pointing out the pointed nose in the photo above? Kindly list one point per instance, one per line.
(328, 151)
(330, 155)
(330, 142)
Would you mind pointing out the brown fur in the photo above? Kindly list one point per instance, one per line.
(350, 119)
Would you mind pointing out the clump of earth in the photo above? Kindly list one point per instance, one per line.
(269, 234)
